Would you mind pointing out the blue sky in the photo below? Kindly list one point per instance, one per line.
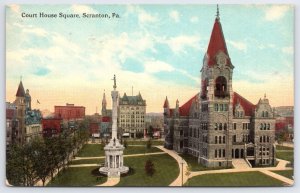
(154, 48)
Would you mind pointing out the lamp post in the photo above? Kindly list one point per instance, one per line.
(182, 171)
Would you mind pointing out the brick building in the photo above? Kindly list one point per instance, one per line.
(70, 112)
(218, 125)
(52, 126)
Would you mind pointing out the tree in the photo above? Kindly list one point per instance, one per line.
(14, 170)
(150, 131)
(149, 144)
(149, 168)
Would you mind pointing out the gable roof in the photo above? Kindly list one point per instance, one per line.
(217, 43)
(249, 108)
(184, 110)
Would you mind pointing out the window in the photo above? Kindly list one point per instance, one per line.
(216, 139)
(220, 139)
(221, 87)
(220, 153)
(220, 126)
(223, 152)
(216, 107)
(221, 107)
(268, 126)
(216, 153)
(234, 126)
(225, 107)
(216, 126)
(234, 138)
(225, 126)
(265, 126)
(224, 141)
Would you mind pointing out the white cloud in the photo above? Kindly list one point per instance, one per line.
(174, 15)
(194, 19)
(36, 31)
(238, 45)
(178, 43)
(82, 9)
(276, 12)
(157, 66)
(288, 50)
(15, 8)
(145, 17)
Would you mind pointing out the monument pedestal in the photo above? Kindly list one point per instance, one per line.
(114, 150)
(114, 159)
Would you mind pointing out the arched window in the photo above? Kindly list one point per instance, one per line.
(220, 153)
(261, 126)
(220, 126)
(266, 114)
(223, 152)
(216, 126)
(204, 88)
(221, 107)
(265, 126)
(264, 139)
(268, 139)
(260, 139)
(221, 87)
(263, 114)
(216, 139)
(268, 126)
(225, 126)
(220, 139)
(224, 139)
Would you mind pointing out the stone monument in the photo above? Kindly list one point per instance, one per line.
(114, 150)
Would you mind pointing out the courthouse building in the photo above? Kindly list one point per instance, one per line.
(217, 125)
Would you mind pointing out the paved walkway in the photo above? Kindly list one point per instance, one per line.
(111, 181)
(130, 155)
(267, 170)
(240, 164)
(183, 175)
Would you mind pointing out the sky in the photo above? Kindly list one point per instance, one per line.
(156, 49)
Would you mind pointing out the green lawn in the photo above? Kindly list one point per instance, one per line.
(166, 171)
(77, 177)
(91, 150)
(234, 179)
(140, 149)
(285, 173)
(194, 165)
(142, 142)
(289, 156)
(87, 161)
(280, 147)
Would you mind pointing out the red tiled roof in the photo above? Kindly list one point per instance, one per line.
(184, 110)
(249, 108)
(217, 43)
(20, 91)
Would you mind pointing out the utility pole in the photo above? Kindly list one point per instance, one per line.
(182, 172)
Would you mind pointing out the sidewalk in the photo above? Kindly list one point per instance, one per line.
(182, 177)
(111, 181)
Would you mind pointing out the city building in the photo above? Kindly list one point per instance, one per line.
(131, 117)
(52, 126)
(70, 112)
(12, 123)
(94, 125)
(29, 120)
(218, 125)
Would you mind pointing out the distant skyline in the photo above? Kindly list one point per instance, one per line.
(157, 49)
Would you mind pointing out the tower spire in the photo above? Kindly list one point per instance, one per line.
(218, 13)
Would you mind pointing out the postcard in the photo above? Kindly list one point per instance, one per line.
(150, 95)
